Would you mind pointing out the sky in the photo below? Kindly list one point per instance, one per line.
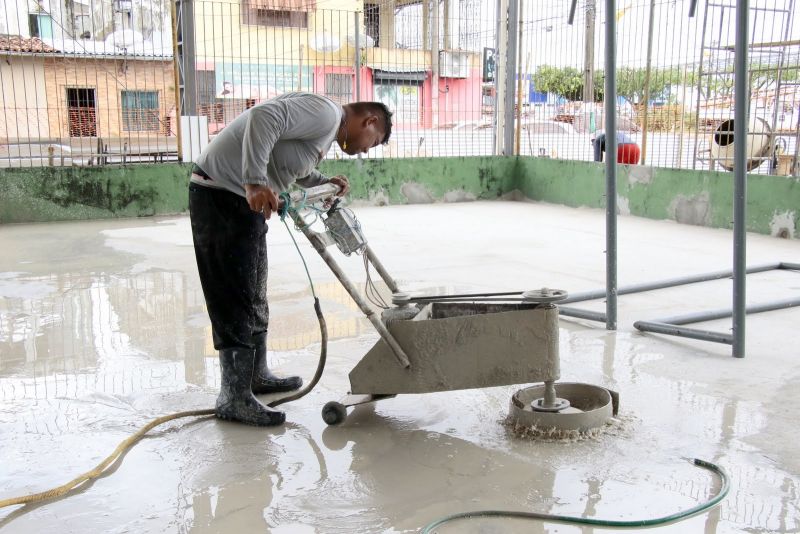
(549, 39)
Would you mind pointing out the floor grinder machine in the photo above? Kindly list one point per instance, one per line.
(451, 342)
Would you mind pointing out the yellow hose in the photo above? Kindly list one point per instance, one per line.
(98, 470)
(131, 441)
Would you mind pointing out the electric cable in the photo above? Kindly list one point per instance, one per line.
(603, 523)
(371, 291)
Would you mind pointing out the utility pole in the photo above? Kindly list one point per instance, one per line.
(501, 55)
(435, 63)
(588, 56)
(185, 56)
(448, 38)
(518, 137)
(510, 74)
(648, 73)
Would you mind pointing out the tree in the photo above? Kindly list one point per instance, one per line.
(565, 82)
(631, 82)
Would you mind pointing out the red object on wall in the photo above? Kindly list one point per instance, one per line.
(628, 153)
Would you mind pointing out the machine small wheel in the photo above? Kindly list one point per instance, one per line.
(334, 413)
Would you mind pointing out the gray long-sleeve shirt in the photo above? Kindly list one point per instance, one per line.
(276, 143)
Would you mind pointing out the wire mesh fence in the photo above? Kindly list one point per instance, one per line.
(83, 85)
(96, 82)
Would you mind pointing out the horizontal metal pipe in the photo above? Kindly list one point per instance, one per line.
(475, 299)
(712, 315)
(790, 266)
(600, 317)
(754, 8)
(670, 282)
(464, 295)
(682, 331)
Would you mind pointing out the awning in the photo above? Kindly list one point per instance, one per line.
(392, 76)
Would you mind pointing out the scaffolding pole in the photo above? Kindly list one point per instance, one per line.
(741, 107)
(611, 165)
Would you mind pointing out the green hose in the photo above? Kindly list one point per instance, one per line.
(607, 523)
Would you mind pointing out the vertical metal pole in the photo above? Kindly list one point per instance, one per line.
(781, 67)
(648, 73)
(588, 55)
(518, 136)
(448, 41)
(511, 72)
(572, 8)
(435, 63)
(188, 58)
(357, 63)
(501, 43)
(679, 155)
(175, 8)
(611, 164)
(741, 108)
(699, 86)
(794, 171)
(299, 68)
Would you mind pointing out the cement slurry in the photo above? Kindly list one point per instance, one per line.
(103, 327)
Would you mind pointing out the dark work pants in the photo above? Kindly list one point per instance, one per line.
(231, 250)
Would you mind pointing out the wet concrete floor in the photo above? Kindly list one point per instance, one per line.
(103, 328)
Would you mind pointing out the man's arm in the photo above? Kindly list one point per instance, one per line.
(265, 125)
(312, 180)
(317, 178)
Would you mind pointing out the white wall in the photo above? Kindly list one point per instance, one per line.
(23, 98)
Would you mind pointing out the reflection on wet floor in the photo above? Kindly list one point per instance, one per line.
(94, 346)
(61, 327)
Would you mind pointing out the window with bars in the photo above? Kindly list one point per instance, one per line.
(82, 111)
(339, 87)
(372, 22)
(140, 111)
(282, 14)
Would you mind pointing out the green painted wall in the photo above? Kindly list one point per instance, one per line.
(420, 180)
(691, 197)
(68, 193)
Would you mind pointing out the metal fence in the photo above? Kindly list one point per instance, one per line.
(246, 52)
(101, 86)
(82, 84)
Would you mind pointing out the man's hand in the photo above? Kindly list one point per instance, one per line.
(343, 183)
(261, 199)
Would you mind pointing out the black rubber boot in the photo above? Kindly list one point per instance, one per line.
(263, 380)
(236, 402)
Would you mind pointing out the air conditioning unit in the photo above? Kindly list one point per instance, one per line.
(453, 64)
(123, 6)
